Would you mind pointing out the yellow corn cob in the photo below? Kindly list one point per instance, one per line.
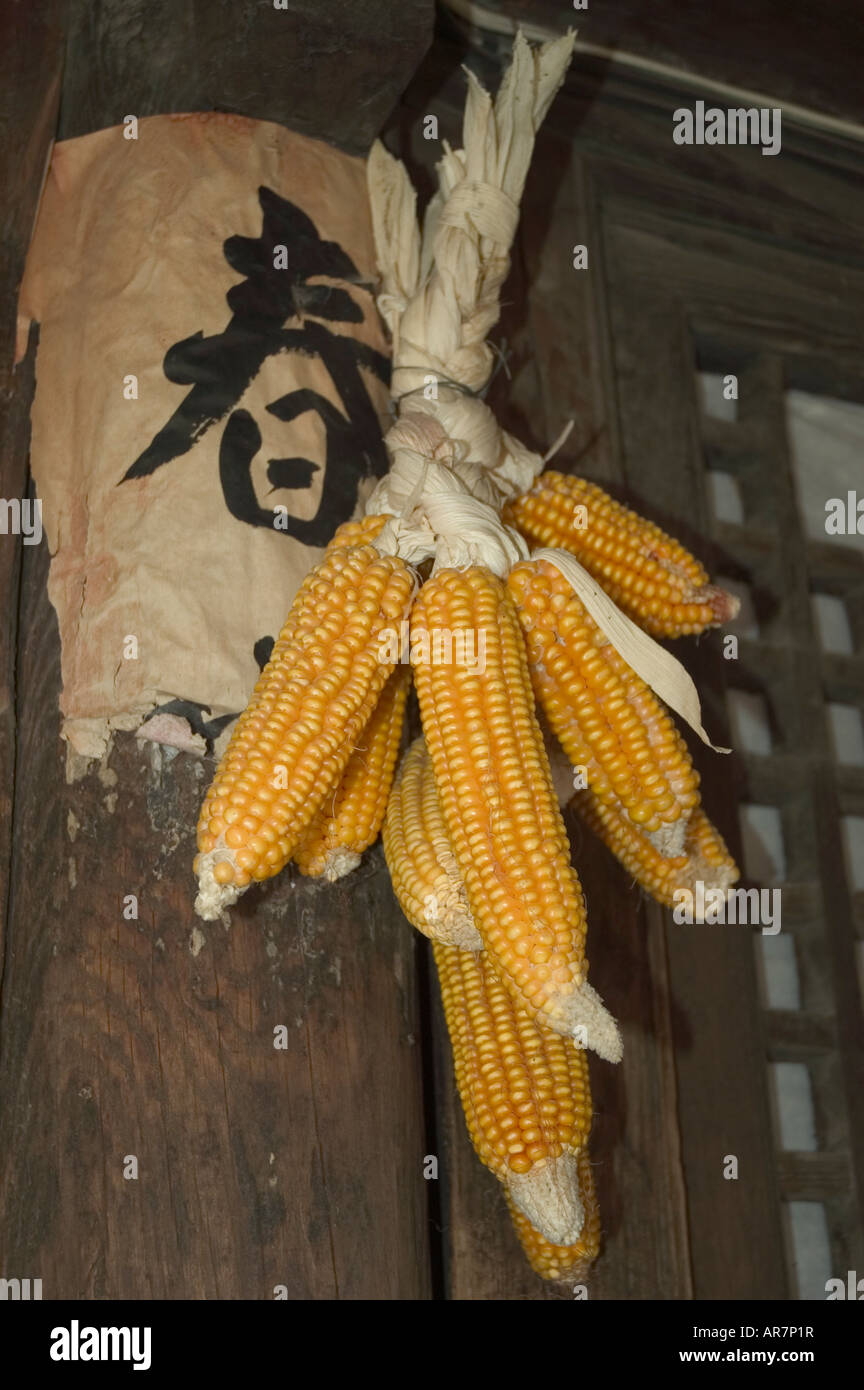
(513, 1072)
(524, 1090)
(352, 814)
(704, 858)
(497, 800)
(362, 532)
(647, 573)
(423, 868)
(564, 1262)
(296, 735)
(605, 717)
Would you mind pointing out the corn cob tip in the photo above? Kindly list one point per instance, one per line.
(214, 897)
(454, 927)
(712, 877)
(723, 605)
(563, 1263)
(559, 1265)
(576, 1273)
(593, 1025)
(549, 1196)
(339, 862)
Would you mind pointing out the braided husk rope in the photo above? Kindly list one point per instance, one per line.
(451, 464)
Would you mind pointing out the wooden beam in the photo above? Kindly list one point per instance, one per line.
(156, 1142)
(813, 1177)
(796, 1034)
(32, 45)
(285, 64)
(774, 48)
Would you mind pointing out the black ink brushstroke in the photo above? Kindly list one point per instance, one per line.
(220, 368)
(193, 713)
(295, 473)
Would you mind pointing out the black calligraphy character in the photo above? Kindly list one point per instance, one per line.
(220, 368)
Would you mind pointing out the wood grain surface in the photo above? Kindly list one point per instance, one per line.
(152, 1038)
(332, 70)
(258, 1165)
(28, 114)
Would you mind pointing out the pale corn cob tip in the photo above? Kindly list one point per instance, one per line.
(647, 573)
(549, 1197)
(524, 1090)
(723, 605)
(423, 868)
(571, 1262)
(498, 804)
(352, 813)
(337, 864)
(213, 898)
(292, 742)
(606, 718)
(593, 1026)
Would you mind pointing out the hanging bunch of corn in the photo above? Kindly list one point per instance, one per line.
(472, 829)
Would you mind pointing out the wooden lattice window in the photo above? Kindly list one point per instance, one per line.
(799, 692)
